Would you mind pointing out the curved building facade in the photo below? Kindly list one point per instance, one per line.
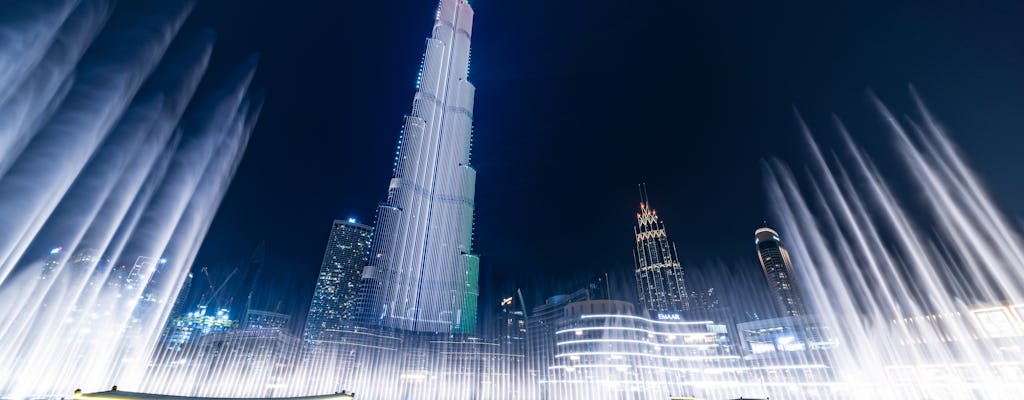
(604, 350)
(778, 271)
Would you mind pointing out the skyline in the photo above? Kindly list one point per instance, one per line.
(701, 174)
(885, 265)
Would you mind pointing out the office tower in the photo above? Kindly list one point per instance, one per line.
(423, 275)
(337, 287)
(778, 270)
(659, 275)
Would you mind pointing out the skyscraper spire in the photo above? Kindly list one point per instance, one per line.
(422, 275)
(659, 275)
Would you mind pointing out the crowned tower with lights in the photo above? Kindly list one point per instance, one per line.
(422, 274)
(659, 275)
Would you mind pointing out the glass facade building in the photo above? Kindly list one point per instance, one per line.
(423, 275)
(337, 287)
(778, 270)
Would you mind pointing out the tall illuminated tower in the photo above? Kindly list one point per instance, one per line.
(659, 275)
(422, 275)
(778, 270)
(337, 287)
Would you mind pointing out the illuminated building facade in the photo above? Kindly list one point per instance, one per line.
(337, 290)
(541, 326)
(781, 337)
(423, 275)
(778, 270)
(659, 275)
(605, 350)
(189, 328)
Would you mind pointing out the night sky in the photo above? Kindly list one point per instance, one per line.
(578, 102)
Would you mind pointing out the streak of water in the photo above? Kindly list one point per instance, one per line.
(916, 288)
(100, 162)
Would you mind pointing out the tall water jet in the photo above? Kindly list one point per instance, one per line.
(923, 289)
(108, 186)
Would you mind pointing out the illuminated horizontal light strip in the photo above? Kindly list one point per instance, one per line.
(778, 367)
(707, 383)
(703, 370)
(650, 332)
(467, 343)
(653, 321)
(672, 358)
(567, 367)
(369, 346)
(655, 383)
(360, 333)
(956, 365)
(620, 366)
(483, 354)
(568, 342)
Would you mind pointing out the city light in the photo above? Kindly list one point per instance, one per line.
(885, 273)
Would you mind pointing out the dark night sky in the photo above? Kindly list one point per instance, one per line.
(577, 102)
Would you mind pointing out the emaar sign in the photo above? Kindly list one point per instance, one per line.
(663, 316)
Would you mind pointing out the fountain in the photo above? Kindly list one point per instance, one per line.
(110, 174)
(922, 286)
(111, 170)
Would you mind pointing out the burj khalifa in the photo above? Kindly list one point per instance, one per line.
(422, 275)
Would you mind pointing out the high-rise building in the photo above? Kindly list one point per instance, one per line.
(778, 270)
(512, 319)
(423, 275)
(659, 275)
(337, 287)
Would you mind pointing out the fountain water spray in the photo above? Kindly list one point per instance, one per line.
(923, 293)
(108, 186)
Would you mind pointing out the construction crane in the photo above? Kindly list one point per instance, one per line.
(214, 289)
